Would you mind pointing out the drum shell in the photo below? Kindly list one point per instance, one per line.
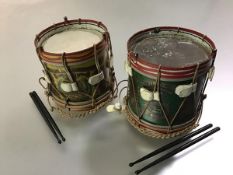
(153, 115)
(81, 70)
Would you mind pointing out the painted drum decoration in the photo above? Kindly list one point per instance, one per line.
(77, 59)
(168, 69)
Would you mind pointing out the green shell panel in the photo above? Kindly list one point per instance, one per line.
(169, 100)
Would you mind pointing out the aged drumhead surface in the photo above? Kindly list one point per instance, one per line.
(71, 41)
(170, 50)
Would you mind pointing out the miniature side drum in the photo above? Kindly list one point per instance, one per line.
(168, 71)
(77, 60)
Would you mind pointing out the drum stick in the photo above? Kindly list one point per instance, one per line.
(172, 144)
(179, 149)
(49, 117)
(40, 109)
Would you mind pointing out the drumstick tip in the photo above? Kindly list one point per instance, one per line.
(131, 164)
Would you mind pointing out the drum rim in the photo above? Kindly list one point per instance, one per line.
(156, 130)
(78, 55)
(132, 57)
(82, 105)
(172, 76)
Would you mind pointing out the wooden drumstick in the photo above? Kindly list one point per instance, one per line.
(42, 110)
(172, 144)
(48, 116)
(179, 149)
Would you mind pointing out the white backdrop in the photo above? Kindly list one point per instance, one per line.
(104, 144)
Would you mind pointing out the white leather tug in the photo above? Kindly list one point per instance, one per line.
(113, 108)
(148, 95)
(95, 79)
(74, 86)
(185, 90)
(128, 69)
(69, 87)
(211, 73)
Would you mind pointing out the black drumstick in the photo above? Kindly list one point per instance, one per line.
(49, 117)
(172, 144)
(40, 109)
(179, 149)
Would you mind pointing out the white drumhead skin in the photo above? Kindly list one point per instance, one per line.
(71, 41)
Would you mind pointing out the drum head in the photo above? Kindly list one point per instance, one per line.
(170, 48)
(71, 40)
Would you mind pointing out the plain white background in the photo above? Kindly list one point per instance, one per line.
(104, 144)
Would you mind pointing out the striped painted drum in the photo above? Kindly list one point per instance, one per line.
(168, 69)
(77, 59)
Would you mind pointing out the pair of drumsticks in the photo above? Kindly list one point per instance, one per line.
(54, 128)
(177, 149)
(47, 117)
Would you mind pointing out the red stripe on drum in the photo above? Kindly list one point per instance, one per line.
(135, 59)
(72, 56)
(172, 72)
(171, 76)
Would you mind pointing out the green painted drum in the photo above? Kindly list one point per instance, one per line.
(168, 69)
(77, 59)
